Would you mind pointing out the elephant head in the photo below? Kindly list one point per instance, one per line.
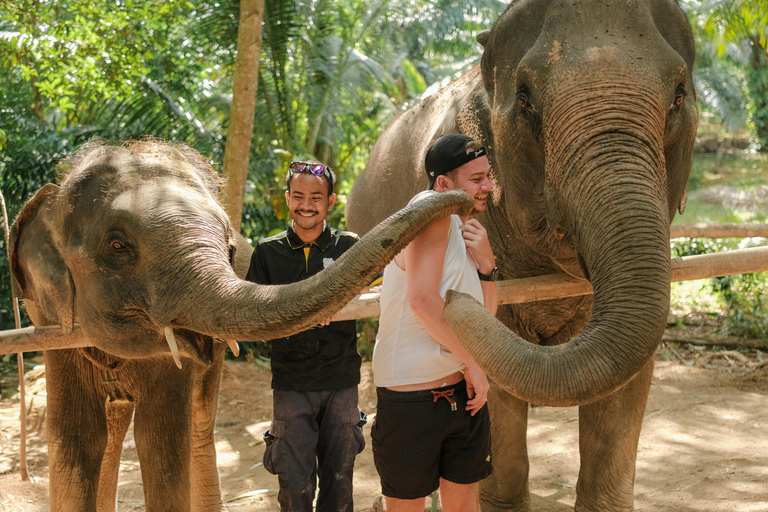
(589, 112)
(134, 245)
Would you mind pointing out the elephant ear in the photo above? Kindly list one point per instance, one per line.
(38, 272)
(242, 250)
(474, 119)
(483, 37)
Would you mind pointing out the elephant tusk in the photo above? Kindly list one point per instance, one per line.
(234, 347)
(171, 339)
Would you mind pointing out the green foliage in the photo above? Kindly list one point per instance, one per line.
(334, 72)
(720, 81)
(739, 176)
(744, 297)
(731, 38)
(757, 80)
(366, 337)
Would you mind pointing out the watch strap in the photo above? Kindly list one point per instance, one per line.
(489, 277)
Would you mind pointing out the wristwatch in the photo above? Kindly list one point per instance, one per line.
(493, 276)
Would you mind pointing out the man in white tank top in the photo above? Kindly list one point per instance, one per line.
(432, 427)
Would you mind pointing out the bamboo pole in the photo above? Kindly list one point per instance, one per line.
(532, 289)
(19, 360)
(514, 291)
(34, 339)
(723, 230)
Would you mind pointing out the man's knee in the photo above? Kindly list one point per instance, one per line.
(457, 497)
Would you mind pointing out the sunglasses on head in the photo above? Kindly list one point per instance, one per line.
(311, 168)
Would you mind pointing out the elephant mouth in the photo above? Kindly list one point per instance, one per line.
(573, 266)
(196, 346)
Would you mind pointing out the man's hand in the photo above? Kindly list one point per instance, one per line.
(477, 388)
(476, 240)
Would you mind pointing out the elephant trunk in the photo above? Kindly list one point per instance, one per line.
(237, 309)
(612, 197)
(629, 270)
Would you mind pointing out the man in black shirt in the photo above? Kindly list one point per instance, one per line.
(317, 425)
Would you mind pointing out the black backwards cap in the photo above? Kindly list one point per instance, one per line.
(448, 153)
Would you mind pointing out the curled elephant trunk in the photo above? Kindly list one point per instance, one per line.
(631, 303)
(611, 195)
(236, 309)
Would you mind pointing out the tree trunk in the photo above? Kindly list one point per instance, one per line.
(734, 341)
(238, 146)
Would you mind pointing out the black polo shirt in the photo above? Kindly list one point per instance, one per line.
(319, 358)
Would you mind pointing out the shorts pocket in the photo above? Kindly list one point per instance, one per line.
(273, 454)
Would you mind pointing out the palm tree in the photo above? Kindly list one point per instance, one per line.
(334, 72)
(739, 30)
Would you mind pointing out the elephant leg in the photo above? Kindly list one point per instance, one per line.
(507, 488)
(161, 426)
(206, 493)
(609, 430)
(76, 430)
(119, 414)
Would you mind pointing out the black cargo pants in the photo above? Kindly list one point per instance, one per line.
(314, 435)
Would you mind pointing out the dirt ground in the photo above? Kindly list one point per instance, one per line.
(704, 444)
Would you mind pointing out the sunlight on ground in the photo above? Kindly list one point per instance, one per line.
(226, 455)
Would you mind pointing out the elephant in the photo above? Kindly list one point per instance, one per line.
(587, 111)
(134, 246)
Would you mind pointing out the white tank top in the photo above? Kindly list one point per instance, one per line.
(404, 352)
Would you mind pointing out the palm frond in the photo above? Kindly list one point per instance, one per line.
(720, 90)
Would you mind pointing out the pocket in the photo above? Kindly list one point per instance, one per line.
(274, 439)
(351, 425)
(362, 419)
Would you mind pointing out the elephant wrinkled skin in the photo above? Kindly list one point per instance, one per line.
(134, 246)
(588, 113)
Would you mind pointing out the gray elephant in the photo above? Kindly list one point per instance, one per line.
(588, 112)
(134, 246)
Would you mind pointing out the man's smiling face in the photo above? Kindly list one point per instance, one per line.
(308, 201)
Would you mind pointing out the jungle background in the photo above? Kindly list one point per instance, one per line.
(331, 75)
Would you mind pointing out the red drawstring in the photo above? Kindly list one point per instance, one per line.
(447, 394)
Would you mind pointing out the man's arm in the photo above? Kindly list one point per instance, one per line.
(424, 259)
(257, 271)
(476, 239)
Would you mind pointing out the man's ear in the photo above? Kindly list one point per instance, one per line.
(38, 272)
(288, 198)
(331, 201)
(442, 183)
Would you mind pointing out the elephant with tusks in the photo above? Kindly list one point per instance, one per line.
(134, 246)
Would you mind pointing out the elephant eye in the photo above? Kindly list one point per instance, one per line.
(523, 101)
(118, 244)
(116, 250)
(680, 95)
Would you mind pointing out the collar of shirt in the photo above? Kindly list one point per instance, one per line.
(322, 242)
